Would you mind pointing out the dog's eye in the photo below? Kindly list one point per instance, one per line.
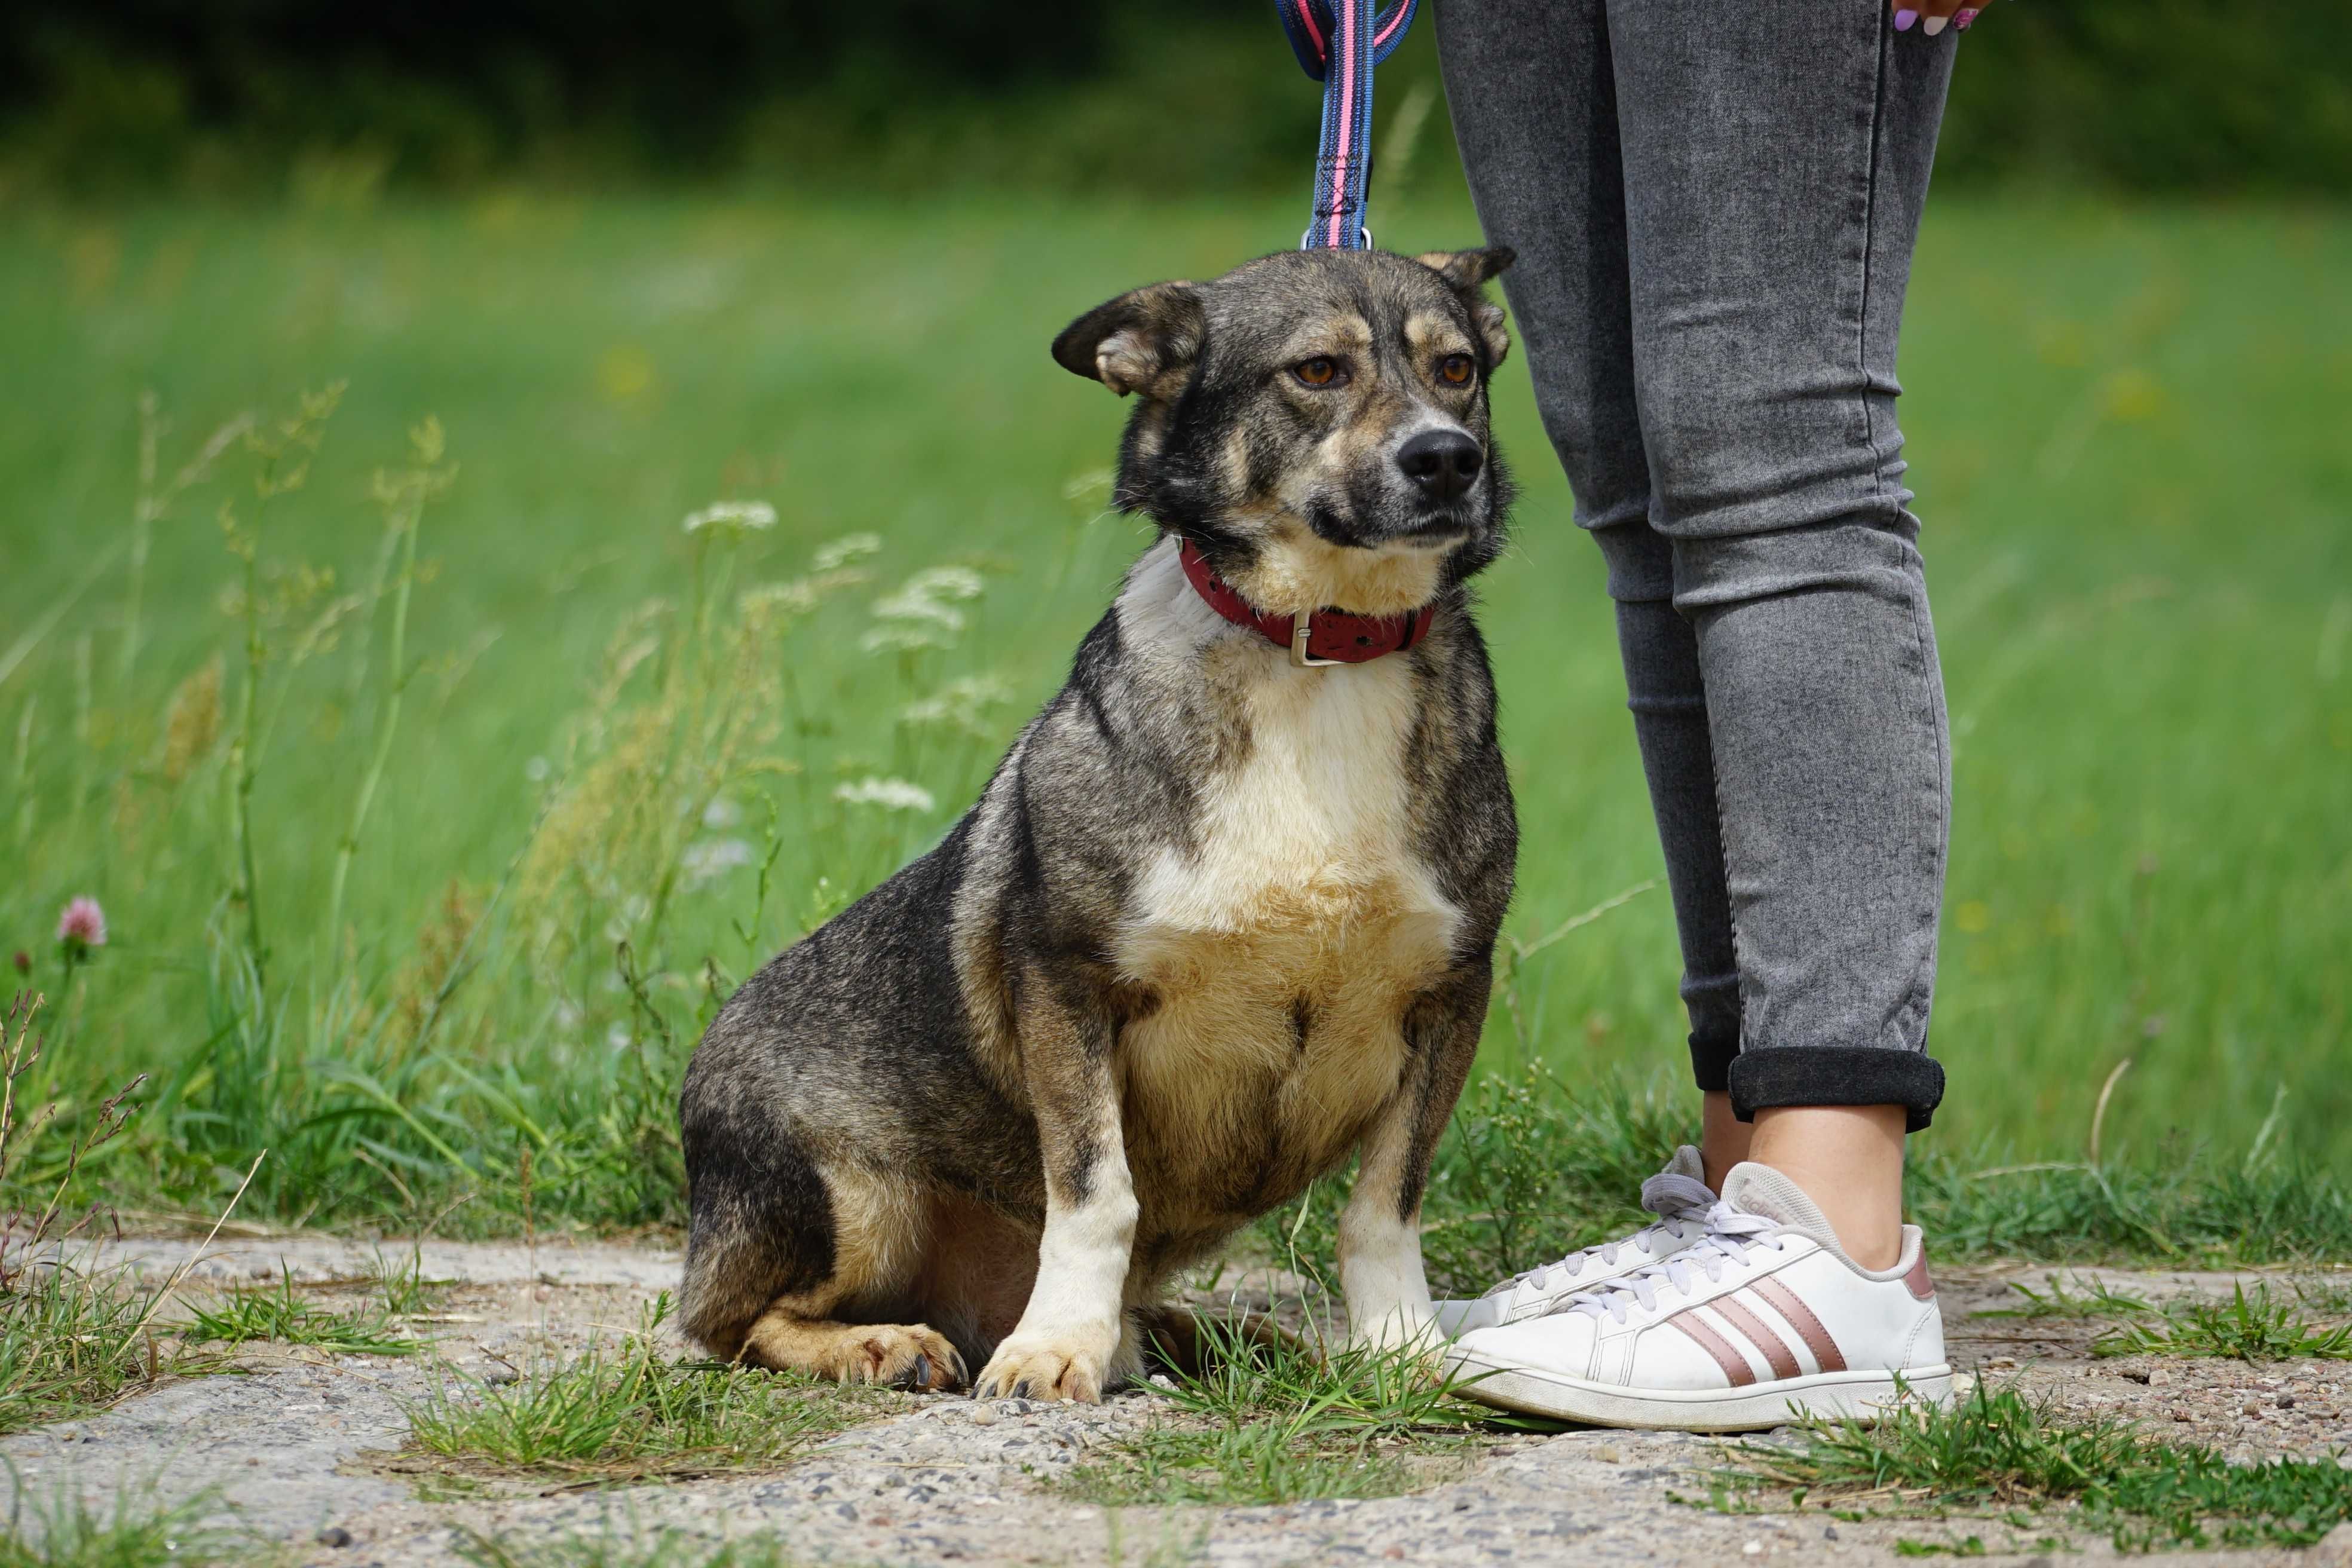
(1320, 371)
(1455, 370)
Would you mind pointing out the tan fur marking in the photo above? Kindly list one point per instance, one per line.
(1298, 572)
(1431, 336)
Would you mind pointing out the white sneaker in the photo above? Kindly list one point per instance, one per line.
(1762, 1320)
(1678, 1194)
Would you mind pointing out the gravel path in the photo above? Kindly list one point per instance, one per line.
(300, 1448)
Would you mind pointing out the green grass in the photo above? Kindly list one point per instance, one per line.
(625, 1411)
(72, 1338)
(433, 813)
(71, 1344)
(2082, 1299)
(2251, 1326)
(2248, 1327)
(1997, 1449)
(665, 1549)
(279, 1314)
(1280, 1422)
(136, 1531)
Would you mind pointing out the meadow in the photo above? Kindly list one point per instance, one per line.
(436, 777)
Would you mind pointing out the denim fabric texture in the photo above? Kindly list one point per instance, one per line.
(1714, 206)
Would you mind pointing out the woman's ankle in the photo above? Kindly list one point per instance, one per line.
(1849, 1160)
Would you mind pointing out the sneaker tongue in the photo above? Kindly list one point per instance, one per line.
(1764, 1192)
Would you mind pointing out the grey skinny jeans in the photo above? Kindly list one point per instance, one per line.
(1714, 206)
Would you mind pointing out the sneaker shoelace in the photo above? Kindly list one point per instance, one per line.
(1731, 1236)
(1682, 1202)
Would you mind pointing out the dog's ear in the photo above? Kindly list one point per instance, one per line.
(1145, 340)
(1465, 271)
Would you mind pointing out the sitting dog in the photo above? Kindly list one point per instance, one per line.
(1224, 915)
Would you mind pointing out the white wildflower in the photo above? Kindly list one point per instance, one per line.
(961, 704)
(721, 813)
(849, 547)
(903, 636)
(774, 604)
(946, 582)
(711, 858)
(925, 597)
(890, 794)
(735, 515)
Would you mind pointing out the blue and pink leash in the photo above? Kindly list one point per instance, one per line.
(1337, 43)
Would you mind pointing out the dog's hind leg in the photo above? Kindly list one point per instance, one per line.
(799, 1269)
(906, 1355)
(851, 1327)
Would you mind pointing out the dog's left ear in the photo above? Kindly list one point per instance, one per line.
(1467, 271)
(1145, 340)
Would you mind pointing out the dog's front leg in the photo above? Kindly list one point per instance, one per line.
(1380, 1230)
(1068, 1336)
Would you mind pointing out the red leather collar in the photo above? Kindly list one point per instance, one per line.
(1329, 637)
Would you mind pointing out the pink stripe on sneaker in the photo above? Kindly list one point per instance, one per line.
(1735, 1365)
(1775, 1349)
(1801, 1317)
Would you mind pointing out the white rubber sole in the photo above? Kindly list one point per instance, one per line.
(1854, 1395)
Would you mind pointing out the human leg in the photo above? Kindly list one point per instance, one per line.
(1533, 93)
(1776, 166)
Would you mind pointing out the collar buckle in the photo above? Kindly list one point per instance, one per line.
(1301, 627)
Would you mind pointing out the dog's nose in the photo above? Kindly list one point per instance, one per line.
(1441, 464)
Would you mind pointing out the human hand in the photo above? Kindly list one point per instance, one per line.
(1933, 16)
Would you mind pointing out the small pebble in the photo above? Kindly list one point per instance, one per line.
(1828, 1532)
(2286, 1401)
(1753, 1549)
(2178, 1414)
(2251, 1407)
(983, 1416)
(335, 1535)
(2157, 1377)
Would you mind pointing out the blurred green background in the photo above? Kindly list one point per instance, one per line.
(639, 260)
(251, 97)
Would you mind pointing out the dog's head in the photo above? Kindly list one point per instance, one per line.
(1314, 421)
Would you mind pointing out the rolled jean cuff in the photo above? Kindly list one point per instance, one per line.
(1711, 1062)
(1836, 1075)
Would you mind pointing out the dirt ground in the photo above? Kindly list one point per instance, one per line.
(304, 1449)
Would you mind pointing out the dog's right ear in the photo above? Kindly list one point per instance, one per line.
(1145, 340)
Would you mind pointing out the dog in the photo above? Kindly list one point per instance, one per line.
(1224, 915)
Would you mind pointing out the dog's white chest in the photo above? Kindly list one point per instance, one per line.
(1287, 942)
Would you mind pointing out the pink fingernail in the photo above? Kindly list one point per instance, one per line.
(1903, 20)
(1962, 18)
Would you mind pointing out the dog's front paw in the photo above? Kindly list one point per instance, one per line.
(1047, 1366)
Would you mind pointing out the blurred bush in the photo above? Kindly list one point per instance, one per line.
(260, 96)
